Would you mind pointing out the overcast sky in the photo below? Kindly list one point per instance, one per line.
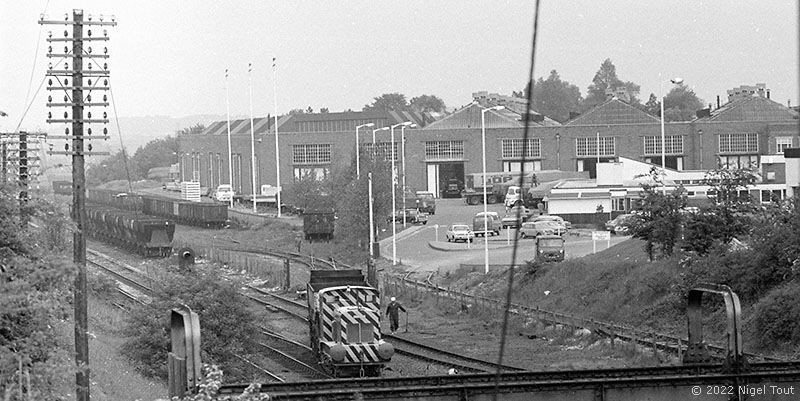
(169, 57)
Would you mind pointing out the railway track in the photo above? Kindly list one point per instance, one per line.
(402, 346)
(661, 341)
(135, 279)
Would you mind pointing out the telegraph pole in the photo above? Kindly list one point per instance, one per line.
(75, 100)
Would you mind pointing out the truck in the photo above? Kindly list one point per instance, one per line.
(535, 187)
(477, 186)
(423, 201)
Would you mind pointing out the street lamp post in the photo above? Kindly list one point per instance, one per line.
(371, 220)
(252, 136)
(485, 208)
(277, 154)
(676, 81)
(403, 155)
(394, 196)
(358, 157)
(230, 155)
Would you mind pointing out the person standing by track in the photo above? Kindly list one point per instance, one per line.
(393, 311)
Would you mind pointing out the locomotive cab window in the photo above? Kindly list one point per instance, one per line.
(360, 333)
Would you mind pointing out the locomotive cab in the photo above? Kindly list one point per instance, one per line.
(345, 324)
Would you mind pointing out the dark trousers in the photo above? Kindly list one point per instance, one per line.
(393, 322)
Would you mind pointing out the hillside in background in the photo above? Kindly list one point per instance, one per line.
(136, 132)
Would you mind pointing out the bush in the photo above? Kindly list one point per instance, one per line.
(777, 316)
(227, 326)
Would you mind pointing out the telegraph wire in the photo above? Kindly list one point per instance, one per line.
(525, 135)
(33, 67)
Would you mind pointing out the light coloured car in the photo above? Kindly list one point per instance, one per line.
(459, 232)
(224, 193)
(549, 217)
(620, 224)
(533, 229)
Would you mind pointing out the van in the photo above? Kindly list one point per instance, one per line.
(513, 196)
(224, 193)
(425, 202)
(492, 224)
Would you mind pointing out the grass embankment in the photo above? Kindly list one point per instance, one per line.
(618, 285)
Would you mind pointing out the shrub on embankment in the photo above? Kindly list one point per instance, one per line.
(227, 326)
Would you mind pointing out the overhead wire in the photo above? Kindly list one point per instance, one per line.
(33, 66)
(525, 136)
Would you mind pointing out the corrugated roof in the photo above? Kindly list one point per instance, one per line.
(751, 108)
(613, 111)
(470, 117)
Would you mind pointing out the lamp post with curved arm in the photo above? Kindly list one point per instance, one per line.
(403, 155)
(676, 81)
(358, 163)
(485, 209)
(394, 196)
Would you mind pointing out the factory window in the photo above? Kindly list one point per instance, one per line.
(738, 161)
(534, 165)
(311, 153)
(383, 150)
(444, 150)
(211, 170)
(781, 143)
(738, 143)
(587, 146)
(219, 169)
(317, 173)
(512, 148)
(652, 145)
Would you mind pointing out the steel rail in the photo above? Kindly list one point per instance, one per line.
(259, 368)
(286, 358)
(642, 337)
(466, 365)
(569, 379)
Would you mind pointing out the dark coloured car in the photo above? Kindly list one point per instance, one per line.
(453, 188)
(550, 248)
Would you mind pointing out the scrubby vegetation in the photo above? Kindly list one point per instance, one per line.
(35, 293)
(228, 327)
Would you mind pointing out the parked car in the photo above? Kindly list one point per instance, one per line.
(412, 216)
(223, 193)
(549, 217)
(621, 224)
(492, 224)
(459, 232)
(511, 219)
(533, 229)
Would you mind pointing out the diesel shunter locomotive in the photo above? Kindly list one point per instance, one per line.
(345, 324)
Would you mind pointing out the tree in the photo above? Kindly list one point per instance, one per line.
(606, 78)
(427, 103)
(324, 110)
(387, 102)
(296, 111)
(157, 153)
(554, 98)
(728, 213)
(658, 220)
(681, 103)
(653, 106)
(309, 110)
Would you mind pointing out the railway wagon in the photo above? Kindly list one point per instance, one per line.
(114, 198)
(62, 187)
(344, 318)
(319, 223)
(192, 213)
(146, 235)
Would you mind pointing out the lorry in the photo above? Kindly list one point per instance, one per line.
(491, 185)
(423, 201)
(536, 186)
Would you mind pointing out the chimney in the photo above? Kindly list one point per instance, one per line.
(717, 101)
(767, 93)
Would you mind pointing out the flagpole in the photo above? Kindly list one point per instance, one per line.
(277, 153)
